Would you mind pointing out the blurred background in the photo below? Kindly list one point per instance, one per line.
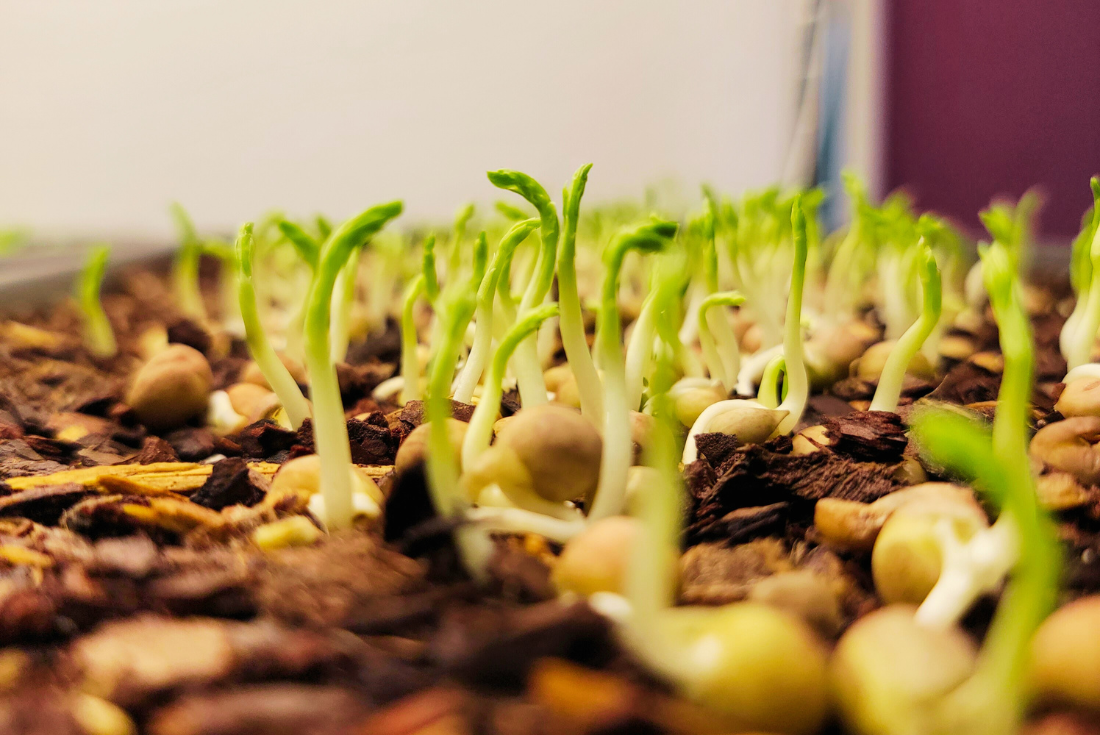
(110, 110)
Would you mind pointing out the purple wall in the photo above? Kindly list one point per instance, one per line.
(989, 97)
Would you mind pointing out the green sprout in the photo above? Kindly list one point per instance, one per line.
(486, 297)
(309, 250)
(898, 261)
(768, 394)
(98, 334)
(740, 660)
(185, 270)
(1013, 226)
(992, 700)
(719, 329)
(510, 212)
(890, 382)
(457, 307)
(13, 239)
(426, 284)
(273, 369)
(410, 362)
(571, 323)
(853, 260)
(974, 566)
(1079, 333)
(647, 238)
(756, 420)
(480, 430)
(329, 427)
(556, 524)
(462, 219)
(226, 255)
(532, 386)
(343, 298)
(799, 385)
(668, 277)
(719, 345)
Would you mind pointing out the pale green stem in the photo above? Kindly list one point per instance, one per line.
(892, 378)
(486, 297)
(639, 352)
(343, 298)
(1082, 342)
(98, 334)
(768, 394)
(720, 350)
(479, 433)
(185, 271)
(571, 322)
(272, 368)
(617, 448)
(532, 386)
(410, 362)
(798, 391)
(330, 429)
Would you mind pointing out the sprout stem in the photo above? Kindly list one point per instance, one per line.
(410, 362)
(615, 461)
(480, 431)
(98, 334)
(343, 297)
(639, 351)
(893, 372)
(185, 271)
(720, 350)
(462, 218)
(273, 369)
(796, 377)
(1081, 343)
(768, 395)
(330, 430)
(532, 386)
(571, 323)
(474, 544)
(486, 295)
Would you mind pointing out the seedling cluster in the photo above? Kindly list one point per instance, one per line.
(603, 349)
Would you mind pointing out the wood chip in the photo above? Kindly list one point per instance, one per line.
(159, 478)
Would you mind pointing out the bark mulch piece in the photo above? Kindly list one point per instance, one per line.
(867, 436)
(185, 331)
(408, 504)
(496, 647)
(265, 438)
(714, 574)
(43, 504)
(154, 449)
(274, 709)
(18, 459)
(359, 381)
(325, 585)
(744, 524)
(519, 576)
(756, 476)
(38, 709)
(383, 346)
(192, 444)
(967, 383)
(231, 482)
(137, 661)
(372, 442)
(411, 415)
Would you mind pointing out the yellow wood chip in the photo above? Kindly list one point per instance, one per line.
(22, 555)
(151, 479)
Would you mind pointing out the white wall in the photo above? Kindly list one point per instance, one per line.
(110, 109)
